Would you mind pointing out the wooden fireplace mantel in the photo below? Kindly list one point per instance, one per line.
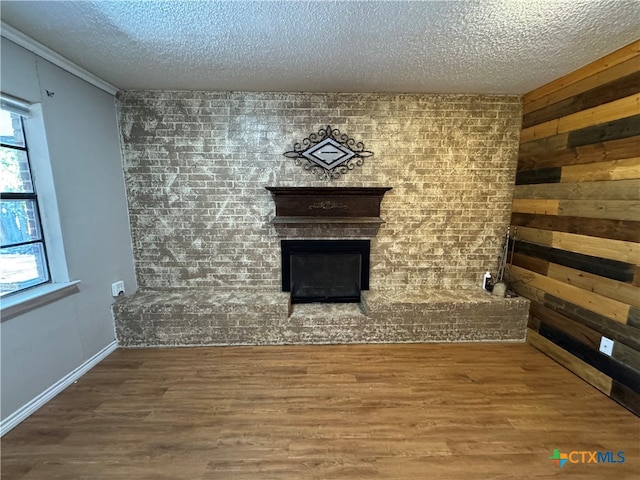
(296, 205)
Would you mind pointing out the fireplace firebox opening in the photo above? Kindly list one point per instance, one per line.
(327, 271)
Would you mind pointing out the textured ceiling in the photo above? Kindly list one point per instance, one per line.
(482, 46)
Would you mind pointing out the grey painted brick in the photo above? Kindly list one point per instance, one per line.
(196, 164)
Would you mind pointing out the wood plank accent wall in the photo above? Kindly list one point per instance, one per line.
(576, 218)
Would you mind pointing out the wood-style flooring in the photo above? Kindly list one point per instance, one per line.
(427, 411)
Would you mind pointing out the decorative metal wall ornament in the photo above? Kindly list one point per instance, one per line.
(328, 153)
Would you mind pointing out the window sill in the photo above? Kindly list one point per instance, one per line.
(36, 297)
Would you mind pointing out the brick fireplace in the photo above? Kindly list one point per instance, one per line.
(196, 166)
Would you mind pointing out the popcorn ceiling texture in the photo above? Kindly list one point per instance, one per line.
(196, 164)
(488, 46)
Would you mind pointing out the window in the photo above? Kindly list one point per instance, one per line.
(23, 259)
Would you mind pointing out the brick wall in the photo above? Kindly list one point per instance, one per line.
(196, 164)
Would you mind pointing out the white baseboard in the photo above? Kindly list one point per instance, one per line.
(29, 408)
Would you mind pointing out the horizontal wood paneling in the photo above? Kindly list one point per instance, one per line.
(604, 363)
(594, 302)
(542, 316)
(606, 228)
(628, 189)
(610, 170)
(615, 89)
(613, 269)
(626, 397)
(576, 221)
(580, 331)
(589, 73)
(610, 328)
(616, 290)
(539, 148)
(605, 132)
(625, 169)
(607, 112)
(627, 356)
(533, 235)
(581, 88)
(592, 375)
(608, 209)
(622, 148)
(627, 252)
(540, 175)
(620, 291)
(534, 264)
(536, 206)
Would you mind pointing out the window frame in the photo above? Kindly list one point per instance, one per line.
(59, 284)
(31, 196)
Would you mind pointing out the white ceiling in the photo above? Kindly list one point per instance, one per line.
(479, 46)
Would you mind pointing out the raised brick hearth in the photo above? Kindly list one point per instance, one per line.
(234, 317)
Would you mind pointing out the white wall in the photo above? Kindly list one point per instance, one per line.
(43, 345)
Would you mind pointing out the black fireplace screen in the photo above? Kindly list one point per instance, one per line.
(330, 271)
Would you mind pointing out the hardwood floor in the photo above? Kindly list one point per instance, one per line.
(428, 411)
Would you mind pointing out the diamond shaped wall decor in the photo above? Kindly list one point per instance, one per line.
(328, 153)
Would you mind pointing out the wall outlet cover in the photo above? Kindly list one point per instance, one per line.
(606, 346)
(117, 288)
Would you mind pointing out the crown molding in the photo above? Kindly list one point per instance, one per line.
(10, 33)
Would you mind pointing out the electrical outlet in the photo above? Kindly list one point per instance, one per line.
(606, 346)
(117, 288)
